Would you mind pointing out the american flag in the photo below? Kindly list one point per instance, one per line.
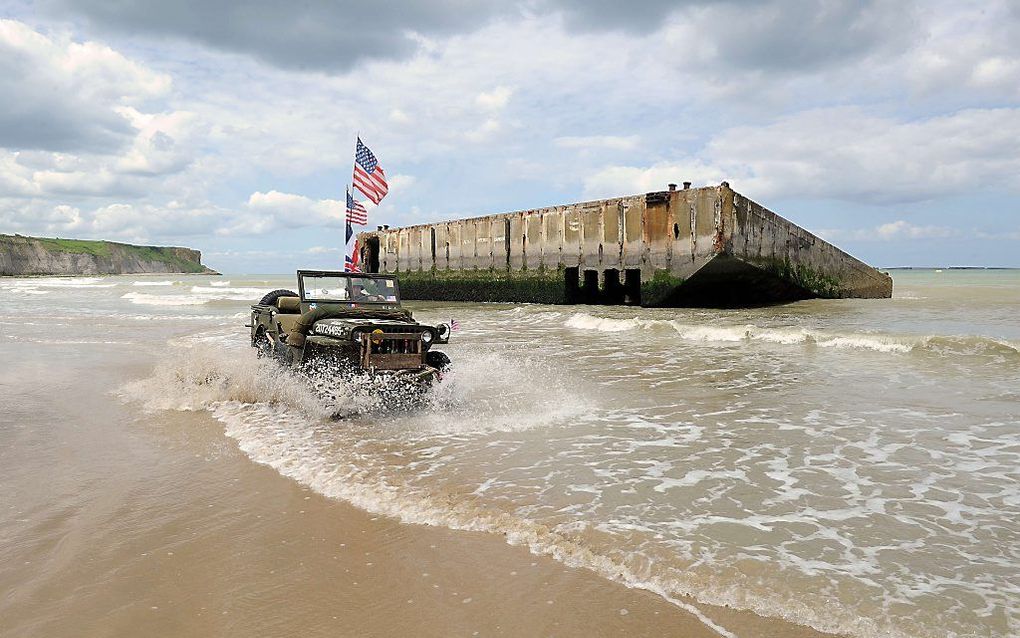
(454, 325)
(369, 177)
(356, 213)
(351, 253)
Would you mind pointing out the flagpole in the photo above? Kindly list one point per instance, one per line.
(347, 220)
(357, 138)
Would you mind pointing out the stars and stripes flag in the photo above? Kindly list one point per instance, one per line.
(352, 255)
(356, 213)
(454, 325)
(369, 177)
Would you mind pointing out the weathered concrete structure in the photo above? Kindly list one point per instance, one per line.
(688, 247)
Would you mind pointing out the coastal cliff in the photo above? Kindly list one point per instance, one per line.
(21, 255)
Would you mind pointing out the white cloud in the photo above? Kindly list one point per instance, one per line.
(91, 180)
(589, 142)
(77, 128)
(273, 210)
(399, 117)
(324, 250)
(485, 131)
(845, 153)
(969, 45)
(15, 177)
(162, 144)
(627, 180)
(1008, 235)
(495, 99)
(127, 222)
(400, 183)
(849, 154)
(902, 229)
(896, 230)
(147, 222)
(65, 95)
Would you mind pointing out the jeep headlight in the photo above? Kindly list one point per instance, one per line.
(426, 337)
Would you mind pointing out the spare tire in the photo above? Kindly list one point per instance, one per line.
(271, 297)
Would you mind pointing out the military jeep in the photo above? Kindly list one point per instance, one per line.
(350, 321)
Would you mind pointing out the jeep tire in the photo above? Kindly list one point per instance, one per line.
(271, 297)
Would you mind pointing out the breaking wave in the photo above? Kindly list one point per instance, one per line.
(198, 296)
(146, 299)
(68, 282)
(152, 283)
(939, 344)
(32, 286)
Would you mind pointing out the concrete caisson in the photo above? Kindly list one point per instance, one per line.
(706, 246)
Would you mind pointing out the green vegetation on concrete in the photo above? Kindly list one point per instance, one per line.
(807, 278)
(535, 286)
(659, 288)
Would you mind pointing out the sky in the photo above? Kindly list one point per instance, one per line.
(890, 128)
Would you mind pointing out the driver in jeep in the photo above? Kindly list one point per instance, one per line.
(366, 290)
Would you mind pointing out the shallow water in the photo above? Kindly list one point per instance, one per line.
(849, 465)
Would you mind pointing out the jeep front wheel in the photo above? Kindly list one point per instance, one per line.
(437, 360)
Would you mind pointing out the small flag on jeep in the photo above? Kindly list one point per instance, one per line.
(454, 325)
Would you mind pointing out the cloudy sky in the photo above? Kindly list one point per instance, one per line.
(891, 128)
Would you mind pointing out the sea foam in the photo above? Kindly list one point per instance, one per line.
(878, 342)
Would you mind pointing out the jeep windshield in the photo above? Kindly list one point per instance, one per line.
(348, 288)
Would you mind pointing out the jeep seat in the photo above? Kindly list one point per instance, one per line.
(289, 305)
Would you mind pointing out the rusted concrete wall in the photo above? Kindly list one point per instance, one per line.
(704, 246)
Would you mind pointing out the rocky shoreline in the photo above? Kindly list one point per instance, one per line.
(21, 256)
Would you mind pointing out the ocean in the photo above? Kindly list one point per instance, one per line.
(848, 466)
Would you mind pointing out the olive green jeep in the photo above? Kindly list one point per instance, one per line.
(350, 321)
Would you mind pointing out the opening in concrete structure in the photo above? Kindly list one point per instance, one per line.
(590, 289)
(632, 287)
(612, 290)
(676, 231)
(371, 260)
(570, 284)
(725, 282)
(432, 232)
(506, 243)
(447, 254)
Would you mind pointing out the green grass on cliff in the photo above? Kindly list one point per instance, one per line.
(75, 246)
(107, 250)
